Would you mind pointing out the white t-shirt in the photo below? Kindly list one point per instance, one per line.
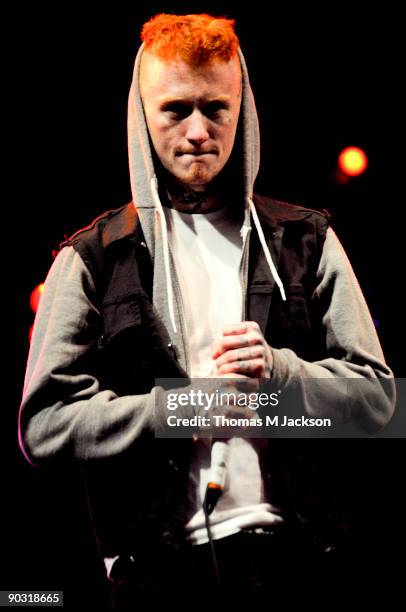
(207, 250)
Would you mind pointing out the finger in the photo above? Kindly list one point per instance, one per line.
(238, 328)
(236, 342)
(234, 330)
(229, 342)
(242, 354)
(249, 368)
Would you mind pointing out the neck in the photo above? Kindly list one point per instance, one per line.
(185, 199)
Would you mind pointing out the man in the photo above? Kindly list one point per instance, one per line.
(198, 277)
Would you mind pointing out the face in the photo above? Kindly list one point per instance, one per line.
(192, 115)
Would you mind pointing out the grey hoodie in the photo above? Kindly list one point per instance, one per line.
(64, 413)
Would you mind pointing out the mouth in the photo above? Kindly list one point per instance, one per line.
(195, 153)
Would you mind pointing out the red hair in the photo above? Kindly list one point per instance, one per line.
(195, 39)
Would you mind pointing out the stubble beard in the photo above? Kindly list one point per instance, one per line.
(197, 175)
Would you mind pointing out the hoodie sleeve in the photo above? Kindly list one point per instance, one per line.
(63, 411)
(353, 346)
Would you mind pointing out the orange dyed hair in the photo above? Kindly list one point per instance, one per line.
(195, 39)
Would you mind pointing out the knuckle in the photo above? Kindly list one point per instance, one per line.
(257, 336)
(233, 356)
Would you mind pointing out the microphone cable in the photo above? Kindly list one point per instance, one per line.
(211, 541)
(220, 452)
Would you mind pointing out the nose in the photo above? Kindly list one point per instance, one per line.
(196, 129)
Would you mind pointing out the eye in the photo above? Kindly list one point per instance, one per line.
(212, 110)
(177, 109)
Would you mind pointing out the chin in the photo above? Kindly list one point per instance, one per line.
(198, 178)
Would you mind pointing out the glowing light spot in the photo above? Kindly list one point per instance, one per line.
(352, 161)
(36, 296)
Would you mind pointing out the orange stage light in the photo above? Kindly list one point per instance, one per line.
(352, 161)
(36, 296)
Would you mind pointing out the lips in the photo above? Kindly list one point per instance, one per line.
(195, 153)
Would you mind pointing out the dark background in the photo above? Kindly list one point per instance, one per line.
(323, 79)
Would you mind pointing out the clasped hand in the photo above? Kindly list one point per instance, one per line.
(242, 351)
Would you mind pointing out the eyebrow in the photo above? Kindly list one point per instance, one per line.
(166, 100)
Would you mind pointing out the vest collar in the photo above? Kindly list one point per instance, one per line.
(273, 213)
(121, 225)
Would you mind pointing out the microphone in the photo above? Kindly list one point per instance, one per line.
(220, 453)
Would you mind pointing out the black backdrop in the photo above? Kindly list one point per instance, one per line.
(323, 79)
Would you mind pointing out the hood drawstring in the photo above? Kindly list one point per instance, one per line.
(165, 247)
(268, 257)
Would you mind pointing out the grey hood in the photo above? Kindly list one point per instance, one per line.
(142, 170)
(144, 188)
